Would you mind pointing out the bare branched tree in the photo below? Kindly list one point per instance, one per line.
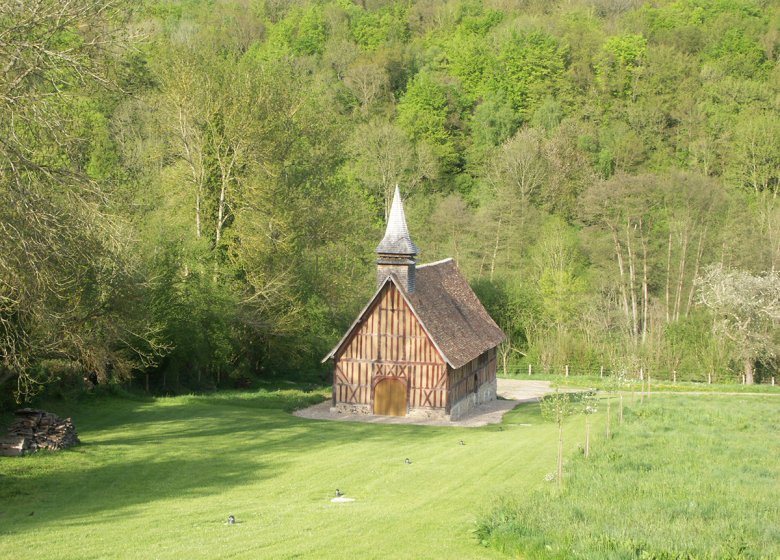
(65, 270)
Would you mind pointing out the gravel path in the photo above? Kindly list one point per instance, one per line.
(511, 392)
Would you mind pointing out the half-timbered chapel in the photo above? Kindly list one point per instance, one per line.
(423, 345)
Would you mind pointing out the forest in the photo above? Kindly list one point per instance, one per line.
(191, 191)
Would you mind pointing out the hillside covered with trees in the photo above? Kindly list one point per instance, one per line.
(191, 191)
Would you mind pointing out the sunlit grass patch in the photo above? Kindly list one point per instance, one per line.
(682, 478)
(157, 478)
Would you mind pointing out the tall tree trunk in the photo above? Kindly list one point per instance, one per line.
(644, 283)
(195, 165)
(221, 212)
(632, 283)
(749, 378)
(668, 274)
(696, 265)
(681, 277)
(197, 214)
(621, 269)
(495, 249)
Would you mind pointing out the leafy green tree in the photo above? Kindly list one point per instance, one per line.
(492, 123)
(529, 67)
(558, 267)
(69, 286)
(755, 161)
(620, 66)
(372, 29)
(556, 407)
(424, 113)
(471, 60)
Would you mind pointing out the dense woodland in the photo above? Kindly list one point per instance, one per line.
(191, 191)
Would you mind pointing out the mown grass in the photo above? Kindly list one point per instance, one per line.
(684, 478)
(609, 383)
(157, 478)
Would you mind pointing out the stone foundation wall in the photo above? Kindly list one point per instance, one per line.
(346, 408)
(428, 414)
(365, 410)
(485, 393)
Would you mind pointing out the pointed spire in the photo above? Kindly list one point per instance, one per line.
(397, 240)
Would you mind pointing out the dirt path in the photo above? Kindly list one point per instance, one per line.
(511, 392)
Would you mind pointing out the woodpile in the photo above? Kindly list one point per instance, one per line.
(37, 429)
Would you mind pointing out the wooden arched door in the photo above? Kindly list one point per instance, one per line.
(390, 397)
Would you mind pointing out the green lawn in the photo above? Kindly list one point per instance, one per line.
(685, 477)
(158, 478)
(656, 385)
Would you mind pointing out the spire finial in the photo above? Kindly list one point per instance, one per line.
(397, 240)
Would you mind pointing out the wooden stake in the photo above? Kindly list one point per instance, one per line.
(560, 455)
(587, 436)
(773, 381)
(674, 376)
(567, 371)
(602, 372)
(709, 379)
(529, 369)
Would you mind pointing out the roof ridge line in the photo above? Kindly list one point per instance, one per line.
(435, 262)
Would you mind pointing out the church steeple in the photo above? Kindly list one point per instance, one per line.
(397, 250)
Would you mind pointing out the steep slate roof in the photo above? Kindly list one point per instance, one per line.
(397, 239)
(448, 310)
(452, 314)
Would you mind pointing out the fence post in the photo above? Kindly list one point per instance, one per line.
(601, 374)
(529, 369)
(648, 385)
(709, 378)
(641, 374)
(674, 376)
(567, 370)
(773, 381)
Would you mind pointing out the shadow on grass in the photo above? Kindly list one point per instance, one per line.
(86, 494)
(136, 453)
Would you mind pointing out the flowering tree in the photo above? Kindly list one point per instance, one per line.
(747, 311)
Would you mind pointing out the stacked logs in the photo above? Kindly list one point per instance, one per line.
(36, 429)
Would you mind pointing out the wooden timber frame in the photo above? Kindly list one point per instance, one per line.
(389, 341)
(423, 346)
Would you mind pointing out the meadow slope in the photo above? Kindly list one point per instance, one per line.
(158, 478)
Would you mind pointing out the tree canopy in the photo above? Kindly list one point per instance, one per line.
(191, 191)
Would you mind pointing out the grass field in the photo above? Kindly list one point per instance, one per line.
(685, 477)
(158, 478)
(656, 385)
